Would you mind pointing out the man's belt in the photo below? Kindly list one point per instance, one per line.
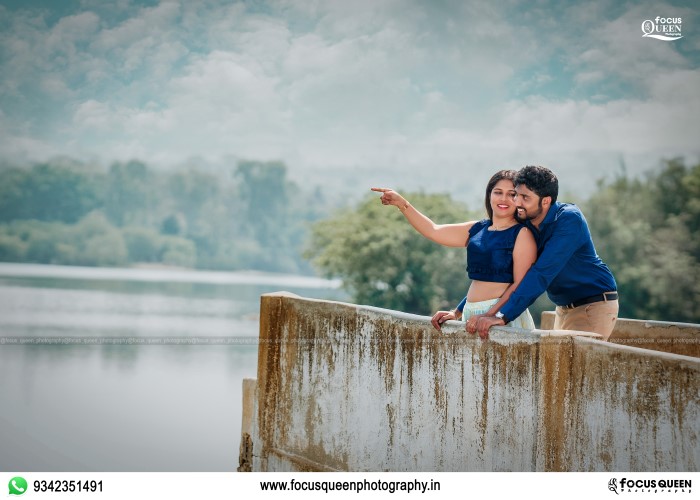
(601, 297)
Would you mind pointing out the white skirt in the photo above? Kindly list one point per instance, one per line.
(471, 308)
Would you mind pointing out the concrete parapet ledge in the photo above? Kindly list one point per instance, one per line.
(663, 336)
(342, 387)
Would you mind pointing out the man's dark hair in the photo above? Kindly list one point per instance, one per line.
(541, 180)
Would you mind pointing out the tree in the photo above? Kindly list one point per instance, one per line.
(99, 243)
(174, 225)
(648, 233)
(263, 191)
(12, 248)
(143, 245)
(256, 220)
(49, 192)
(177, 251)
(128, 199)
(384, 262)
(272, 215)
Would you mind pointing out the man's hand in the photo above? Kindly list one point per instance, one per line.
(471, 323)
(440, 317)
(485, 323)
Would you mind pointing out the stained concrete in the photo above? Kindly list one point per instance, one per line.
(342, 387)
(664, 336)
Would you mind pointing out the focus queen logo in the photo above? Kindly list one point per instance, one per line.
(667, 29)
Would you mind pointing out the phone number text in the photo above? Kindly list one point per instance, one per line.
(64, 486)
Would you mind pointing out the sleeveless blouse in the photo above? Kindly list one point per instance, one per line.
(490, 253)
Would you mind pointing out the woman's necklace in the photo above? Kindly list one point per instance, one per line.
(494, 227)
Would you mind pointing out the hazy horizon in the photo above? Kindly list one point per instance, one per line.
(412, 95)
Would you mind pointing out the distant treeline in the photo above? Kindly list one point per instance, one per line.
(64, 212)
(646, 229)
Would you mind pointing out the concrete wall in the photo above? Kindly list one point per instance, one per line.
(664, 336)
(352, 388)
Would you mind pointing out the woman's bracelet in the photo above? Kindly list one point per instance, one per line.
(405, 207)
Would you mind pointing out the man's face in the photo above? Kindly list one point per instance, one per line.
(528, 204)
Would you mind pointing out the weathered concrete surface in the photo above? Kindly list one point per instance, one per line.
(245, 452)
(631, 409)
(664, 336)
(351, 388)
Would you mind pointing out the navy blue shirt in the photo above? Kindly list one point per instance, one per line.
(567, 266)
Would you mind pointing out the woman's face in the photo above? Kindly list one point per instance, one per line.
(503, 198)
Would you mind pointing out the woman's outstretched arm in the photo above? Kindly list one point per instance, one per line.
(449, 235)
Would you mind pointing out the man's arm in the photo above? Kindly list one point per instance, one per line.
(524, 256)
(564, 241)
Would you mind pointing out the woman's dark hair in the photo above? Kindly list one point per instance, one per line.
(498, 176)
(541, 180)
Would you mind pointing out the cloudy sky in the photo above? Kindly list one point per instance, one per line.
(411, 93)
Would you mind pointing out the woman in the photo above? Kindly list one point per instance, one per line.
(499, 249)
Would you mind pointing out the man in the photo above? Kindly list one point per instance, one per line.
(567, 267)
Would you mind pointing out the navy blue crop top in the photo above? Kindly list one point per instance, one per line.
(490, 253)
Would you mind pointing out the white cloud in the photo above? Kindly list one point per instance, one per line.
(92, 114)
(150, 22)
(221, 86)
(16, 142)
(56, 87)
(337, 85)
(615, 48)
(75, 28)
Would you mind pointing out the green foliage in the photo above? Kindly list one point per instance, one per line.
(128, 198)
(143, 245)
(42, 249)
(177, 251)
(106, 249)
(174, 224)
(263, 191)
(384, 262)
(32, 241)
(12, 248)
(48, 192)
(63, 212)
(93, 241)
(146, 245)
(648, 232)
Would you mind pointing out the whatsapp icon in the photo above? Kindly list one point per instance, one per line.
(17, 486)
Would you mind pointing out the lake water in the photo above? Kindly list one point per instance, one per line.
(81, 391)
